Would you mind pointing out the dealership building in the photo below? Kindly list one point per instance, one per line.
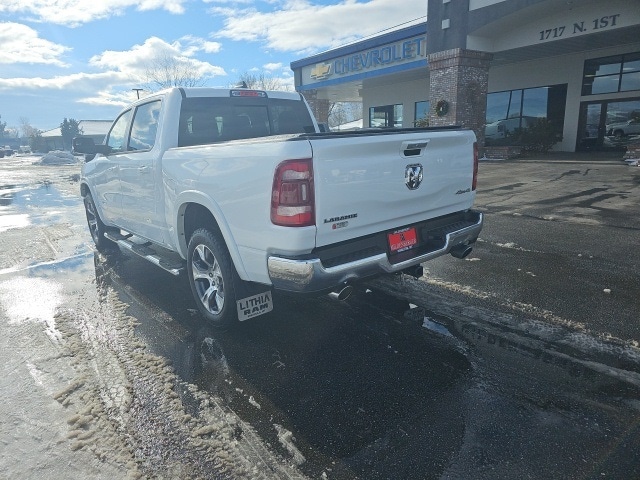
(499, 67)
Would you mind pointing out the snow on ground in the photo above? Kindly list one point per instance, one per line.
(127, 406)
(58, 158)
(35, 367)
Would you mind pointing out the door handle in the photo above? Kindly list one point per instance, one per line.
(144, 169)
(413, 148)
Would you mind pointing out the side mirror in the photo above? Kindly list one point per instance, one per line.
(86, 145)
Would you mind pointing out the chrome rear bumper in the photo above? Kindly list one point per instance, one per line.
(310, 275)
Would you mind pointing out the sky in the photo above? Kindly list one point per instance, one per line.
(81, 59)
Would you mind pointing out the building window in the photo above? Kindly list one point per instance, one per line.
(511, 114)
(622, 122)
(619, 73)
(609, 124)
(422, 114)
(386, 116)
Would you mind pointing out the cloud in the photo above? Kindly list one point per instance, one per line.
(21, 44)
(303, 26)
(117, 72)
(193, 45)
(233, 2)
(77, 12)
(140, 58)
(77, 81)
(108, 98)
(270, 67)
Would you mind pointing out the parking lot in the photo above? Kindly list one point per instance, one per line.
(521, 361)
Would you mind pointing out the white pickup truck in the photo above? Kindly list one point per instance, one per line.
(243, 189)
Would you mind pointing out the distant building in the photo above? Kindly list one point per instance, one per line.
(495, 66)
(97, 129)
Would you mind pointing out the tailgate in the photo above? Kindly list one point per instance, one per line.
(366, 184)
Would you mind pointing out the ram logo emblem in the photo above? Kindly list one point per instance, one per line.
(413, 176)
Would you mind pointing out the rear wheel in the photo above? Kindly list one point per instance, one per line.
(96, 226)
(211, 278)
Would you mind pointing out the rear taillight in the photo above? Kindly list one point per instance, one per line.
(474, 183)
(292, 196)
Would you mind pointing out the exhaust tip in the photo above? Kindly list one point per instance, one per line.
(416, 271)
(461, 251)
(342, 293)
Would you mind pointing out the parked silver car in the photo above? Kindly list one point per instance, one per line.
(630, 127)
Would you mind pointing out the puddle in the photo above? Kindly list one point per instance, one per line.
(28, 197)
(8, 221)
(419, 314)
(17, 299)
(43, 206)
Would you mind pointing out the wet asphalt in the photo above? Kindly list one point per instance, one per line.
(561, 236)
(498, 366)
(368, 392)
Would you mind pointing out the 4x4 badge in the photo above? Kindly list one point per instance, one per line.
(413, 176)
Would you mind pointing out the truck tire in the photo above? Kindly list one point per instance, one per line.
(211, 275)
(97, 227)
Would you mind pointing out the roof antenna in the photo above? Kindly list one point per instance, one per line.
(241, 84)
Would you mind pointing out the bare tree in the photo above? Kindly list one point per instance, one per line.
(344, 112)
(34, 136)
(3, 125)
(337, 114)
(169, 71)
(262, 81)
(27, 130)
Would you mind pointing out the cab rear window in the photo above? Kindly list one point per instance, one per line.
(211, 120)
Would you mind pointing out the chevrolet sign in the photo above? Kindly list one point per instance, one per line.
(321, 71)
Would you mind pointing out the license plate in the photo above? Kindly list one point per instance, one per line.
(402, 240)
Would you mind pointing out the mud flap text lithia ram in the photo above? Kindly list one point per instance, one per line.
(255, 305)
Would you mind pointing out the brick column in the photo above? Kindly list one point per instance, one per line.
(460, 78)
(319, 106)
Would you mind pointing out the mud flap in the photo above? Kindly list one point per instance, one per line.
(254, 299)
(250, 307)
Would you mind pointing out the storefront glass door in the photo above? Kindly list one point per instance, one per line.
(590, 132)
(609, 125)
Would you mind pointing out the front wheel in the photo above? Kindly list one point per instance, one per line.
(96, 227)
(211, 278)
